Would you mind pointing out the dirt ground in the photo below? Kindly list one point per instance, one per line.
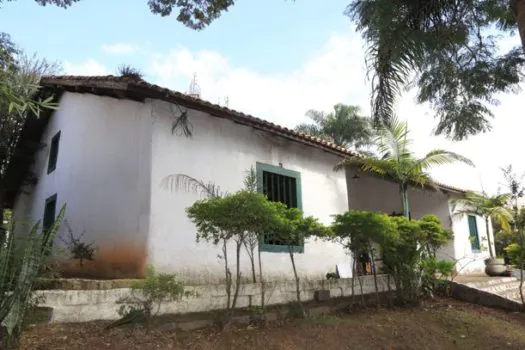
(440, 324)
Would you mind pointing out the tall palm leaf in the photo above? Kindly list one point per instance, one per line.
(488, 207)
(396, 162)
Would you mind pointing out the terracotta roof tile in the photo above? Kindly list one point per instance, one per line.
(70, 81)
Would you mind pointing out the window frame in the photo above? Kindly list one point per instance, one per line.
(53, 153)
(475, 245)
(50, 199)
(260, 169)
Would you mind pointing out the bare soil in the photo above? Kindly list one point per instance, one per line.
(438, 324)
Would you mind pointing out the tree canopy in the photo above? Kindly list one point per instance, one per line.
(344, 126)
(448, 50)
(396, 161)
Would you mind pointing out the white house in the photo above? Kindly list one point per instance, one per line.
(110, 145)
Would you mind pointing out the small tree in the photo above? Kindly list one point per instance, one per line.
(147, 296)
(232, 218)
(358, 231)
(291, 228)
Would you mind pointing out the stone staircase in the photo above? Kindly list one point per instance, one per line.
(507, 287)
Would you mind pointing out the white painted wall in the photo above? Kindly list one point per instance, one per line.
(222, 151)
(103, 174)
(371, 193)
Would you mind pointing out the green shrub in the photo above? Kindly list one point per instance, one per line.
(147, 297)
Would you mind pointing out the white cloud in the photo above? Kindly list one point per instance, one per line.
(334, 74)
(118, 48)
(87, 67)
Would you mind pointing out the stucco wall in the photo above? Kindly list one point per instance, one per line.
(102, 174)
(221, 151)
(371, 193)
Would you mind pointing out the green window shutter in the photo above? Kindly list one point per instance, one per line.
(279, 185)
(49, 212)
(53, 153)
(473, 232)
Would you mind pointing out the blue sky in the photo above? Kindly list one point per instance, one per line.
(269, 36)
(274, 59)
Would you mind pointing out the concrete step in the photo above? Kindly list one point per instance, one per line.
(512, 294)
(502, 287)
(492, 282)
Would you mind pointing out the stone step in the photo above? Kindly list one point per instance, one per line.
(512, 294)
(491, 282)
(501, 287)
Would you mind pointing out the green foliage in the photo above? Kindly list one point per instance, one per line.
(396, 161)
(404, 244)
(128, 71)
(344, 126)
(291, 226)
(433, 233)
(358, 229)
(447, 49)
(20, 260)
(147, 297)
(434, 276)
(233, 215)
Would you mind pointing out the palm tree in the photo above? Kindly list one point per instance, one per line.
(489, 208)
(396, 162)
(445, 48)
(343, 126)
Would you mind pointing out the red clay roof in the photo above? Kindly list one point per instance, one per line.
(126, 87)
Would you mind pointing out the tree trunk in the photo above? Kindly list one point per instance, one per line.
(518, 9)
(375, 276)
(297, 284)
(404, 198)
(489, 240)
(237, 273)
(252, 258)
(228, 275)
(353, 280)
(2, 230)
(263, 285)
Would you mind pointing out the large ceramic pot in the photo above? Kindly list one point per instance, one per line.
(495, 267)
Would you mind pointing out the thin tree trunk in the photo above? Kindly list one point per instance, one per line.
(228, 275)
(375, 275)
(353, 280)
(488, 236)
(518, 9)
(2, 197)
(404, 198)
(263, 285)
(361, 289)
(297, 284)
(252, 258)
(237, 273)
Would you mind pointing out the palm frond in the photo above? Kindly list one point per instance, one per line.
(392, 140)
(392, 55)
(317, 117)
(440, 157)
(177, 182)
